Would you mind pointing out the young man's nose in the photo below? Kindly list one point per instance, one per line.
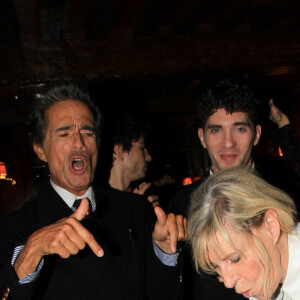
(229, 140)
(147, 156)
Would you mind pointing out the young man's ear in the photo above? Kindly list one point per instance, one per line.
(201, 137)
(257, 136)
(118, 152)
(40, 152)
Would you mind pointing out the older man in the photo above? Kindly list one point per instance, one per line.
(101, 248)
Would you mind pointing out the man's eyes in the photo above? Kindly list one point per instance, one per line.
(62, 134)
(86, 133)
(215, 130)
(241, 129)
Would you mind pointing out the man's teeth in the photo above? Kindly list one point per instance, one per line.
(78, 164)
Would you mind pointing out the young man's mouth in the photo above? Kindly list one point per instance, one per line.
(229, 157)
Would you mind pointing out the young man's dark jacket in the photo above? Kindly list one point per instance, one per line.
(122, 225)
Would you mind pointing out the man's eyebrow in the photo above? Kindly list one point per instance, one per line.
(242, 123)
(62, 128)
(88, 127)
(213, 126)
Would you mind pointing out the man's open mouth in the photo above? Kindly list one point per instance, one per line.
(78, 164)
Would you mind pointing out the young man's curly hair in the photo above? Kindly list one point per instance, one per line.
(230, 96)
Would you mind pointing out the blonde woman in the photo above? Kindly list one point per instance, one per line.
(244, 229)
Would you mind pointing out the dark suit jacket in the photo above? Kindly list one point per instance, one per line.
(129, 268)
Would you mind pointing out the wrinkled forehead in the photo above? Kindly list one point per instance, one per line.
(68, 111)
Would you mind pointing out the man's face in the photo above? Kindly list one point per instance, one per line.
(136, 160)
(70, 145)
(229, 139)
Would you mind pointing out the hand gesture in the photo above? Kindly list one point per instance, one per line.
(64, 238)
(141, 189)
(277, 116)
(169, 229)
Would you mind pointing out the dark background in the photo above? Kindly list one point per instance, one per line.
(152, 58)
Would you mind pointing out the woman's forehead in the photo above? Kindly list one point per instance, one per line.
(229, 241)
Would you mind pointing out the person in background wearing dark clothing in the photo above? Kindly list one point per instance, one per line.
(130, 158)
(286, 137)
(73, 240)
(229, 129)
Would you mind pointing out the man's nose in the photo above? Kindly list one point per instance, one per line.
(147, 156)
(229, 140)
(78, 142)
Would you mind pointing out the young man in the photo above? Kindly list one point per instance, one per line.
(130, 157)
(52, 249)
(229, 129)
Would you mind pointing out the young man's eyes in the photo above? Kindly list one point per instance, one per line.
(218, 130)
(241, 129)
(215, 130)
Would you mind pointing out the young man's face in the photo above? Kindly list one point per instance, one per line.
(229, 139)
(136, 160)
(70, 145)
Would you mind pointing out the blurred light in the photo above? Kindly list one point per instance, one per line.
(280, 152)
(187, 181)
(3, 173)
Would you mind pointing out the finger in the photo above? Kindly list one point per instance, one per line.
(89, 239)
(155, 203)
(161, 216)
(271, 103)
(180, 226)
(143, 187)
(82, 210)
(185, 228)
(84, 234)
(173, 231)
(153, 198)
(67, 247)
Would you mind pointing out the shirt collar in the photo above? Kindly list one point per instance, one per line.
(69, 198)
(291, 284)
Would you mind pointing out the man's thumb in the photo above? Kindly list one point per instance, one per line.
(82, 209)
(161, 215)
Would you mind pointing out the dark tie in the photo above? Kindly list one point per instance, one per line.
(77, 203)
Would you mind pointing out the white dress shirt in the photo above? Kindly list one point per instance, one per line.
(290, 289)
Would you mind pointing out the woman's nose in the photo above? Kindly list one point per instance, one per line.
(229, 279)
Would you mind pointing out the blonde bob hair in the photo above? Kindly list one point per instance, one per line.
(241, 198)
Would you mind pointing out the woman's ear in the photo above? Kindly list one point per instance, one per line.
(272, 224)
(269, 229)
